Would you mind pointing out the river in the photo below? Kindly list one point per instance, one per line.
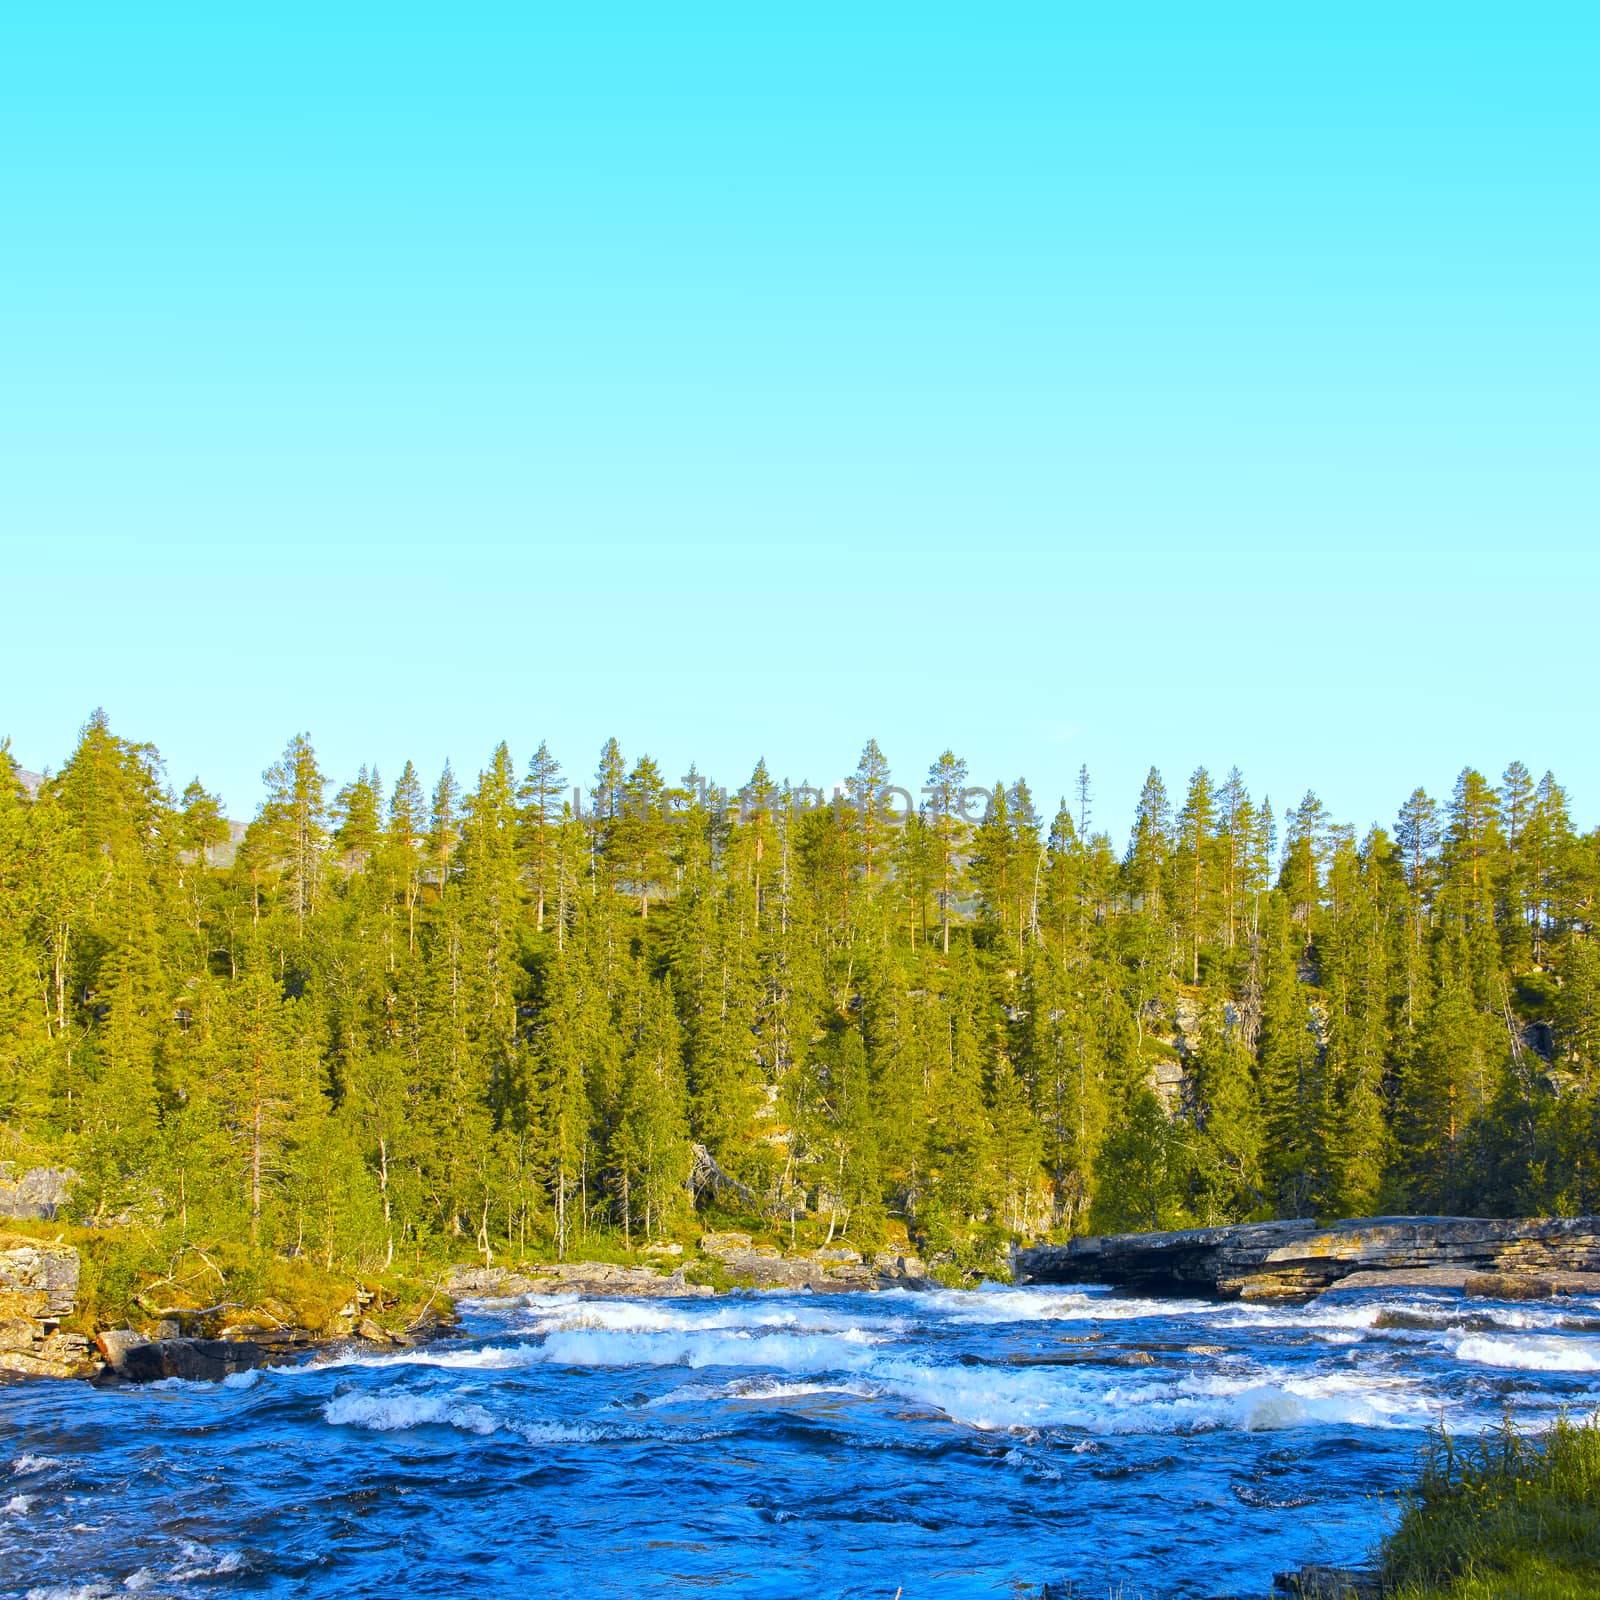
(941, 1443)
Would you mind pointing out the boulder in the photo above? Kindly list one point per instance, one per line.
(115, 1343)
(1312, 1582)
(902, 1270)
(207, 1360)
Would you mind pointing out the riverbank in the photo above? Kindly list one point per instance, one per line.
(69, 1308)
(81, 1303)
(77, 1303)
(721, 1261)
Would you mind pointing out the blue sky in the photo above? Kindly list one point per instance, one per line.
(1181, 385)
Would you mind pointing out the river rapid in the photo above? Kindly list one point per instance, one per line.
(945, 1443)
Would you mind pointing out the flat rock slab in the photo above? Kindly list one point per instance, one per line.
(1295, 1259)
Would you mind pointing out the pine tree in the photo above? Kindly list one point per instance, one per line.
(292, 819)
(539, 793)
(945, 789)
(444, 826)
(1194, 843)
(1292, 1088)
(868, 794)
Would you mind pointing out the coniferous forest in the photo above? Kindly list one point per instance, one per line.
(531, 1009)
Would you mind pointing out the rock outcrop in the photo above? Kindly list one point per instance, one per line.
(38, 1287)
(834, 1267)
(38, 1193)
(1297, 1259)
(594, 1278)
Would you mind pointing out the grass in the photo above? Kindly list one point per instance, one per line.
(1509, 1518)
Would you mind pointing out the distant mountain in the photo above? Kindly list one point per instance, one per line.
(29, 780)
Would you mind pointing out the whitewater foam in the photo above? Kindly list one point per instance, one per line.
(749, 1316)
(850, 1350)
(397, 1410)
(1532, 1353)
(996, 1305)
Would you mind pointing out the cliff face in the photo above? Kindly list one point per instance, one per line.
(38, 1287)
(1296, 1259)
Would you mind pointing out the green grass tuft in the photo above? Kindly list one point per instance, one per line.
(1507, 1517)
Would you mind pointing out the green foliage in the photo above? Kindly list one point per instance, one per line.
(387, 1030)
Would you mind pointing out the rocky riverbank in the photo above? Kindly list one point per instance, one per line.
(1505, 1259)
(726, 1260)
(39, 1296)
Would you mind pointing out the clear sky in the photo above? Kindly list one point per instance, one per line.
(1058, 383)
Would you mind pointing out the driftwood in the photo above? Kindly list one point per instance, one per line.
(706, 1174)
(181, 1313)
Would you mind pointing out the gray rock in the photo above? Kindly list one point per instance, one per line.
(1299, 1258)
(39, 1276)
(592, 1278)
(39, 1286)
(38, 1193)
(115, 1343)
(194, 1359)
(1313, 1582)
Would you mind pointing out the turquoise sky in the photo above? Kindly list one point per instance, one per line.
(1061, 383)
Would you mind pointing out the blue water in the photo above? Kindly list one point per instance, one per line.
(945, 1444)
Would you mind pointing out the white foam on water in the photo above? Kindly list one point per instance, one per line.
(631, 1316)
(397, 1410)
(24, 1465)
(764, 1391)
(70, 1591)
(1313, 1318)
(566, 1433)
(243, 1380)
(850, 1350)
(201, 1562)
(788, 1389)
(516, 1302)
(995, 1304)
(19, 1505)
(473, 1358)
(1532, 1353)
(994, 1398)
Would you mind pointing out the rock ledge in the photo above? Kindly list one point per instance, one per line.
(1516, 1258)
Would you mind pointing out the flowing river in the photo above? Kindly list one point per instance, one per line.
(942, 1443)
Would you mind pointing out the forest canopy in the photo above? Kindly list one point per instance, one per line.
(417, 1019)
